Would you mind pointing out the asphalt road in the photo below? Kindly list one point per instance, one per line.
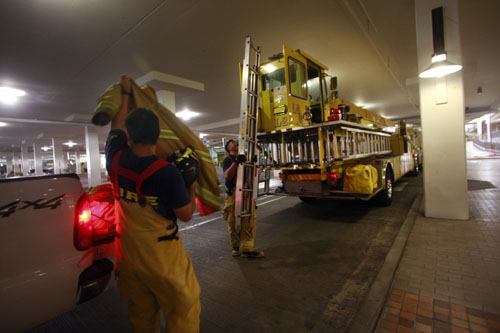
(321, 260)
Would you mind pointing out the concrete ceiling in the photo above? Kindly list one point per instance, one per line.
(65, 53)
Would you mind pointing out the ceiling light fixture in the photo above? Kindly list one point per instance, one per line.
(2, 124)
(440, 66)
(186, 114)
(10, 95)
(46, 148)
(70, 144)
(202, 135)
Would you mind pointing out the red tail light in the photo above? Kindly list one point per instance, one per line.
(82, 233)
(335, 111)
(94, 221)
(334, 117)
(333, 176)
(84, 216)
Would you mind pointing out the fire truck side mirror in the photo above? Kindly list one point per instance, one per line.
(333, 83)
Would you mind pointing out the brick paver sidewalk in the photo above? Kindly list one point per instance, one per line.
(448, 279)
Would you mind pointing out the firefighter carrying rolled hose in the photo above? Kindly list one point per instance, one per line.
(154, 274)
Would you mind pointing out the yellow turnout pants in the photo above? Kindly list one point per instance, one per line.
(244, 238)
(154, 277)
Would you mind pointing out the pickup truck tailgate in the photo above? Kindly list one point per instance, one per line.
(39, 264)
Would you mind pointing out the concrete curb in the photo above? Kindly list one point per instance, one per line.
(367, 316)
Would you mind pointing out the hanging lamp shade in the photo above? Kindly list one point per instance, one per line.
(440, 66)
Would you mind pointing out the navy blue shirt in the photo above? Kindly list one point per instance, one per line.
(226, 164)
(164, 190)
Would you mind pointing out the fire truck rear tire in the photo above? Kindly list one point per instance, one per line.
(385, 196)
(308, 200)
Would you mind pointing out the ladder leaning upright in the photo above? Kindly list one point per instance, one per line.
(247, 178)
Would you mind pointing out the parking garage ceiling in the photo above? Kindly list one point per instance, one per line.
(65, 53)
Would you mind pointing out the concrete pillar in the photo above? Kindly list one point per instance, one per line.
(93, 157)
(167, 99)
(442, 115)
(18, 163)
(37, 159)
(77, 161)
(25, 160)
(488, 128)
(9, 158)
(57, 156)
(15, 163)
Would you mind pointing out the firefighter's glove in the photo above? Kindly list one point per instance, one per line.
(187, 164)
(241, 159)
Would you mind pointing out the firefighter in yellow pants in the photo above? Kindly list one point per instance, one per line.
(242, 240)
(155, 277)
(154, 274)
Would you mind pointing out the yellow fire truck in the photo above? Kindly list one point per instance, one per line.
(324, 146)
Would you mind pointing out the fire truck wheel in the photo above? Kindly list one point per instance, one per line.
(308, 200)
(385, 197)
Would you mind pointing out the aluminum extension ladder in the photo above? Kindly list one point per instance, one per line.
(338, 140)
(247, 177)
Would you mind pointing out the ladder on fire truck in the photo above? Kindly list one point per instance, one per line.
(335, 141)
(247, 178)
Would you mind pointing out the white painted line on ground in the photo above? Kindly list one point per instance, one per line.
(219, 217)
(265, 203)
(200, 223)
(262, 197)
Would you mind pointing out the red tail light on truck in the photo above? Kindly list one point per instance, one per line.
(94, 221)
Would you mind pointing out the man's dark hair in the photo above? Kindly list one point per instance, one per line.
(227, 144)
(143, 126)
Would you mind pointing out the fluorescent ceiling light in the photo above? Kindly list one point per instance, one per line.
(70, 143)
(269, 68)
(46, 148)
(10, 95)
(186, 114)
(2, 124)
(202, 135)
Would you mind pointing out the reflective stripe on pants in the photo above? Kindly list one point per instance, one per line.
(244, 237)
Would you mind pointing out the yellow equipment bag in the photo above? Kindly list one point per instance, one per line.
(174, 135)
(360, 178)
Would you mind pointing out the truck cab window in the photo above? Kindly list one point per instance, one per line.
(314, 92)
(297, 77)
(313, 84)
(326, 93)
(273, 79)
